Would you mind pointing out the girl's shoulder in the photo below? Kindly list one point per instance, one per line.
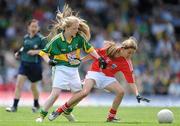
(81, 35)
(26, 36)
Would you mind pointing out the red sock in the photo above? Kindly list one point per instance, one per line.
(112, 114)
(63, 108)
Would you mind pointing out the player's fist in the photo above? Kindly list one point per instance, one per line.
(140, 98)
(102, 63)
(17, 55)
(52, 62)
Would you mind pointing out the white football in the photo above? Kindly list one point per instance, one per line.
(39, 120)
(165, 116)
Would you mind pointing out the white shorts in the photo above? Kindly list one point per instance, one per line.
(100, 78)
(66, 78)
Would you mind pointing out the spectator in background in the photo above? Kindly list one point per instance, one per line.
(174, 63)
(2, 69)
(164, 46)
(147, 82)
(174, 88)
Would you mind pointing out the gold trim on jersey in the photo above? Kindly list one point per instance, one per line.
(78, 53)
(64, 56)
(61, 57)
(42, 53)
(62, 36)
(89, 50)
(63, 39)
(69, 41)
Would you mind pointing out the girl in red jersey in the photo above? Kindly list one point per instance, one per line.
(119, 60)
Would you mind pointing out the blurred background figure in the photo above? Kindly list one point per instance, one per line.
(30, 66)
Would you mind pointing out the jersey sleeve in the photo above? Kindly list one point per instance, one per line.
(49, 48)
(86, 46)
(129, 77)
(128, 72)
(125, 66)
(43, 42)
(23, 48)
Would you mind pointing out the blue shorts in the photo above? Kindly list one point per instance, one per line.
(33, 71)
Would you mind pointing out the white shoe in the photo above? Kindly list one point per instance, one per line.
(70, 117)
(53, 115)
(39, 120)
(35, 109)
(11, 109)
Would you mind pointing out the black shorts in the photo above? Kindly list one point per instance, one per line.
(33, 71)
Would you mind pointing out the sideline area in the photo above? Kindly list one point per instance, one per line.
(94, 99)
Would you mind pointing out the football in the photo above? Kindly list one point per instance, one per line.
(165, 116)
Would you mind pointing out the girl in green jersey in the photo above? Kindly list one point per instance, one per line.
(68, 36)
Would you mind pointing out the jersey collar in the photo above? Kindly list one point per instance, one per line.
(28, 35)
(62, 36)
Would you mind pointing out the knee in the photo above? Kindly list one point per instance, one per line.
(120, 93)
(33, 87)
(19, 86)
(54, 95)
(84, 93)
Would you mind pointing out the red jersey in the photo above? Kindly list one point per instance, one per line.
(119, 64)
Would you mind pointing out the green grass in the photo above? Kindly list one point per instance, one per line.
(90, 116)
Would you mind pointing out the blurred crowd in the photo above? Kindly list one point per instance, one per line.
(154, 23)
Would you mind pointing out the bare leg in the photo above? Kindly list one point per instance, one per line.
(117, 89)
(74, 93)
(51, 99)
(19, 84)
(36, 97)
(119, 92)
(76, 98)
(34, 90)
(17, 93)
(49, 103)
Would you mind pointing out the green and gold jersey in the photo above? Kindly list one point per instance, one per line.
(37, 42)
(67, 53)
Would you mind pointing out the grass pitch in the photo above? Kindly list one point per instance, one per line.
(90, 116)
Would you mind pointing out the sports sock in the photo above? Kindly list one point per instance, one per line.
(112, 114)
(15, 104)
(68, 111)
(63, 108)
(43, 113)
(36, 103)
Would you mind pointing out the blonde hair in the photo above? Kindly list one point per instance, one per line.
(131, 42)
(66, 18)
(111, 48)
